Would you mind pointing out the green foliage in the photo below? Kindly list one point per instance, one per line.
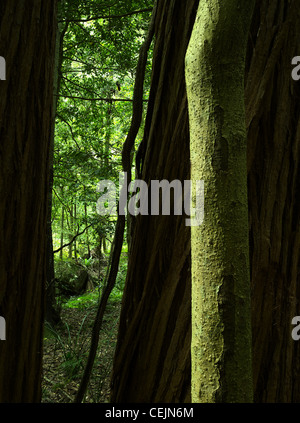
(71, 348)
(99, 53)
(91, 299)
(84, 301)
(66, 350)
(120, 281)
(97, 70)
(87, 262)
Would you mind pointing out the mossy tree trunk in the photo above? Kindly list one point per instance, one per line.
(221, 316)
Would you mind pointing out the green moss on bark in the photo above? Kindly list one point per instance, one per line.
(221, 322)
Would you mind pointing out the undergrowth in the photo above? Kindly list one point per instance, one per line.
(66, 346)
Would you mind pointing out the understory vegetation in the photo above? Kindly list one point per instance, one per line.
(66, 346)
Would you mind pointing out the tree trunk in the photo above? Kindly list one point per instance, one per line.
(272, 110)
(87, 241)
(52, 313)
(61, 232)
(75, 242)
(152, 360)
(71, 229)
(221, 314)
(27, 35)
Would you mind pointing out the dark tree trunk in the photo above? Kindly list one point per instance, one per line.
(27, 40)
(272, 104)
(152, 361)
(52, 313)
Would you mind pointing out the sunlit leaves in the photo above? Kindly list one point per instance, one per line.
(100, 52)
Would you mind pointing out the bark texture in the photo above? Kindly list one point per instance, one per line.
(272, 110)
(221, 316)
(27, 40)
(152, 361)
(155, 320)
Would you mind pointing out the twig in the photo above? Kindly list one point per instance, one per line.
(73, 239)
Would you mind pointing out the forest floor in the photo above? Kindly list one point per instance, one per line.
(66, 349)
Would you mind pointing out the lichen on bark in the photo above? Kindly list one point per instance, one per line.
(221, 328)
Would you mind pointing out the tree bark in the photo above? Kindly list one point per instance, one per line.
(152, 360)
(61, 233)
(71, 229)
(221, 316)
(52, 314)
(272, 111)
(27, 39)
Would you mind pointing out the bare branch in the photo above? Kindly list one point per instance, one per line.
(70, 127)
(73, 239)
(95, 18)
(108, 100)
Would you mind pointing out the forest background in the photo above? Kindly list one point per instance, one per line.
(120, 103)
(98, 53)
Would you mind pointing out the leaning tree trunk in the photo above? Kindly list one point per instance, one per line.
(152, 361)
(27, 38)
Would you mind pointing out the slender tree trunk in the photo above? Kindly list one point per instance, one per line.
(52, 314)
(62, 232)
(27, 36)
(71, 227)
(108, 124)
(99, 247)
(221, 314)
(75, 242)
(87, 240)
(104, 245)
